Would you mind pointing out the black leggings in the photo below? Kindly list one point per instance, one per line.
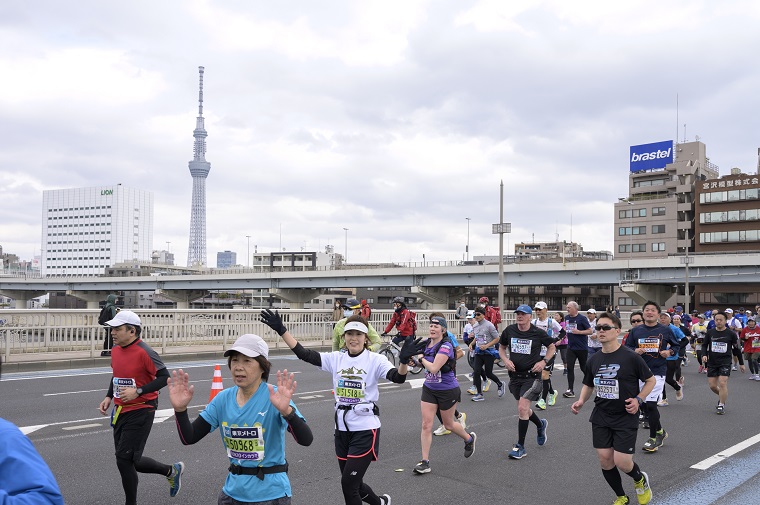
(563, 353)
(128, 470)
(572, 355)
(481, 362)
(354, 489)
(671, 374)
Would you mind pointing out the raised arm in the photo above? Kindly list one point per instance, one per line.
(274, 321)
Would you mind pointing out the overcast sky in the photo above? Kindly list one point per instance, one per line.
(394, 119)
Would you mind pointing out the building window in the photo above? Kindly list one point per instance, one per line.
(658, 228)
(655, 182)
(637, 230)
(624, 248)
(658, 211)
(658, 246)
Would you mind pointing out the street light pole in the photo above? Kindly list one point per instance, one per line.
(248, 254)
(345, 246)
(501, 228)
(467, 249)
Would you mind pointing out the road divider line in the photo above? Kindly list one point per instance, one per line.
(82, 427)
(721, 456)
(74, 392)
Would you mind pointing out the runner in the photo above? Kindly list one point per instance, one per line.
(562, 344)
(578, 329)
(555, 331)
(524, 363)
(461, 417)
(721, 343)
(622, 380)
(484, 345)
(673, 370)
(653, 342)
(138, 374)
(252, 418)
(355, 375)
(698, 332)
(751, 338)
(440, 391)
(592, 343)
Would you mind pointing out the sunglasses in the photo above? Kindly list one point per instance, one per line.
(634, 321)
(604, 327)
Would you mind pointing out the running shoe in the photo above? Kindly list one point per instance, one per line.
(662, 403)
(621, 500)
(541, 404)
(487, 385)
(542, 437)
(441, 431)
(386, 499)
(478, 398)
(757, 377)
(501, 390)
(681, 381)
(517, 452)
(569, 394)
(469, 376)
(469, 447)
(645, 424)
(643, 491)
(660, 437)
(651, 445)
(700, 369)
(720, 409)
(552, 398)
(462, 419)
(175, 478)
(564, 372)
(685, 361)
(679, 395)
(422, 467)
(473, 390)
(733, 368)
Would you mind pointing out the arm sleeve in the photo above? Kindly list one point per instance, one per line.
(190, 433)
(390, 324)
(394, 376)
(110, 388)
(300, 430)
(162, 376)
(307, 355)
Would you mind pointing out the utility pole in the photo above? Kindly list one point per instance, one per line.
(467, 249)
(501, 228)
(248, 255)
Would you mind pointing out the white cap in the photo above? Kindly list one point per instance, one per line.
(729, 311)
(124, 317)
(540, 305)
(249, 345)
(356, 325)
(591, 311)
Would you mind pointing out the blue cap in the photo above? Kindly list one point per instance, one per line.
(524, 309)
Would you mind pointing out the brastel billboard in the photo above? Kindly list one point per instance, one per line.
(648, 156)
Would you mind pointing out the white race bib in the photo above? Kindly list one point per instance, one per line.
(520, 346)
(720, 347)
(607, 388)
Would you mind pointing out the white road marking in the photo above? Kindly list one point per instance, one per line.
(721, 456)
(416, 383)
(82, 427)
(311, 397)
(73, 392)
(162, 415)
(31, 429)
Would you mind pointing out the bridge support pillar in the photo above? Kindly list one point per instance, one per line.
(93, 298)
(295, 298)
(182, 297)
(437, 298)
(641, 293)
(21, 297)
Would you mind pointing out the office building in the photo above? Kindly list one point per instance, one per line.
(86, 230)
(226, 259)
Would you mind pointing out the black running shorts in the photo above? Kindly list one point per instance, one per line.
(622, 440)
(357, 444)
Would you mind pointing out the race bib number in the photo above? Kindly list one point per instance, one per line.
(246, 443)
(650, 345)
(756, 343)
(520, 346)
(571, 327)
(607, 388)
(349, 391)
(543, 350)
(433, 377)
(720, 347)
(120, 382)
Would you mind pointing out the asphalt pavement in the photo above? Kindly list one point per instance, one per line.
(58, 411)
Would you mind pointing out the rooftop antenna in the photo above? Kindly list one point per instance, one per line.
(684, 133)
(677, 123)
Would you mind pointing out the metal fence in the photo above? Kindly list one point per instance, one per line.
(61, 330)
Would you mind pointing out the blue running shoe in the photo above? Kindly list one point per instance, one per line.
(517, 452)
(175, 479)
(541, 437)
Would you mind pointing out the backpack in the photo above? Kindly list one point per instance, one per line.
(105, 315)
(494, 315)
(413, 322)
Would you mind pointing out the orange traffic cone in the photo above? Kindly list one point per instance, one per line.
(216, 384)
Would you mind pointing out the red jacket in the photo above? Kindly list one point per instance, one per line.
(493, 315)
(403, 321)
(366, 312)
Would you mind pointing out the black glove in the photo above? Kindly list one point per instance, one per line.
(411, 348)
(383, 334)
(273, 320)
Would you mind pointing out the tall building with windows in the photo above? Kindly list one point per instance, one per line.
(86, 230)
(226, 259)
(657, 217)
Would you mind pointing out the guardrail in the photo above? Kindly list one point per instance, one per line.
(62, 330)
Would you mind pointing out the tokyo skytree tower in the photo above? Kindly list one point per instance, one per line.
(199, 169)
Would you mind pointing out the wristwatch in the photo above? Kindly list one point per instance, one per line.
(139, 391)
(640, 400)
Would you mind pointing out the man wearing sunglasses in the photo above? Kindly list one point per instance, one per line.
(654, 342)
(622, 380)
